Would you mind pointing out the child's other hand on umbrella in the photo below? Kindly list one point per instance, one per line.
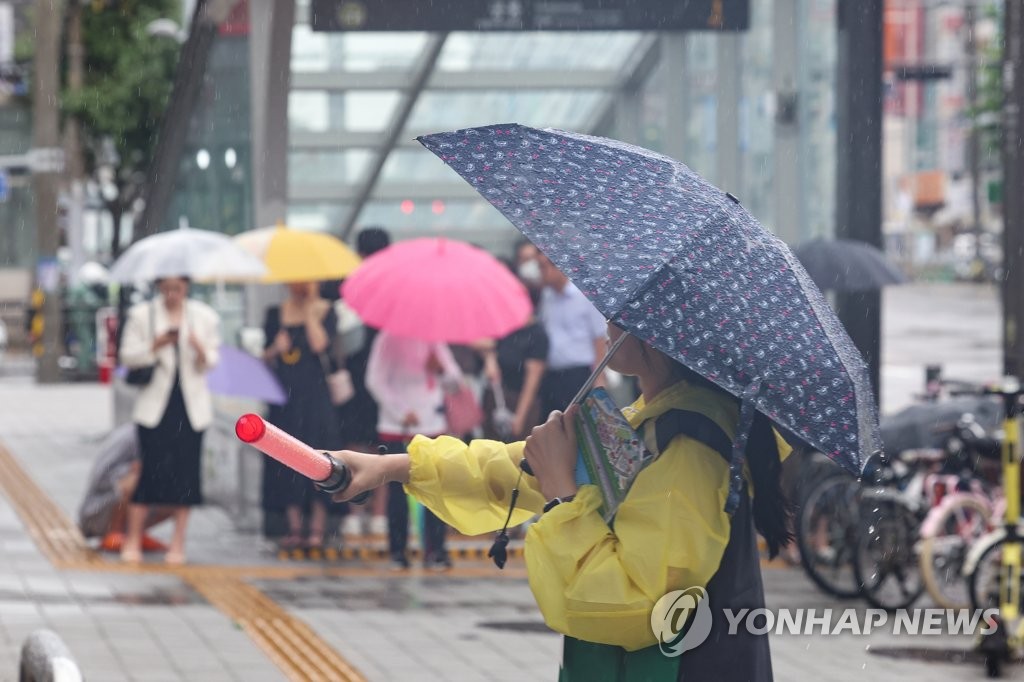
(551, 452)
(370, 471)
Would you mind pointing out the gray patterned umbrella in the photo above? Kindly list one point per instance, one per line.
(680, 264)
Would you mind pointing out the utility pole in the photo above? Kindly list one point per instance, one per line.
(973, 146)
(46, 161)
(75, 179)
(859, 165)
(1013, 201)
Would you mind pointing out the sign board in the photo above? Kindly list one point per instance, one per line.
(923, 72)
(46, 160)
(529, 15)
(5, 185)
(48, 275)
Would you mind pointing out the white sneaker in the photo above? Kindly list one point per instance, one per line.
(379, 525)
(352, 526)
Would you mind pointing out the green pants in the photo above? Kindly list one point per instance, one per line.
(589, 662)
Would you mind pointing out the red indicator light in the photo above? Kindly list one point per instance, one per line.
(250, 428)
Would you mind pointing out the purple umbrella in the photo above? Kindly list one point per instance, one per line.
(240, 375)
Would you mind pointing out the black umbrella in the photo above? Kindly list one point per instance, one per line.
(681, 265)
(847, 265)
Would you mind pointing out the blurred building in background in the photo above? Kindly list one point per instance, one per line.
(753, 110)
(928, 119)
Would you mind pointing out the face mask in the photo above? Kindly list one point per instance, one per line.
(530, 271)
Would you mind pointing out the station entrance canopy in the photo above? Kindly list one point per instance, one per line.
(368, 76)
(529, 15)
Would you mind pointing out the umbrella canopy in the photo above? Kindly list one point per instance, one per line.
(92, 272)
(297, 255)
(847, 265)
(240, 375)
(437, 290)
(186, 252)
(680, 264)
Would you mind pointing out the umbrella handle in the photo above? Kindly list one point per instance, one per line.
(585, 389)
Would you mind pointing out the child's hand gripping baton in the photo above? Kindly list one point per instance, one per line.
(327, 473)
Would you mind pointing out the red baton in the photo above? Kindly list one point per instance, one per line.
(327, 472)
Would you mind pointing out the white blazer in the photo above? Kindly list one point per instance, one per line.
(137, 351)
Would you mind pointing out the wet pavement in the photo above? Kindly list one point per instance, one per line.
(214, 619)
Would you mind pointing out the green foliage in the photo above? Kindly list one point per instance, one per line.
(128, 78)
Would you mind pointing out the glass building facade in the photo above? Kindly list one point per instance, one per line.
(669, 92)
(348, 88)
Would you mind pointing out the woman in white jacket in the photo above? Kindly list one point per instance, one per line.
(180, 339)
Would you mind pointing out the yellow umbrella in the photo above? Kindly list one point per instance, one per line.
(299, 256)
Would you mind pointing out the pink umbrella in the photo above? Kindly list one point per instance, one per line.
(437, 290)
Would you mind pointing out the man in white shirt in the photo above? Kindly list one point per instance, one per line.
(577, 333)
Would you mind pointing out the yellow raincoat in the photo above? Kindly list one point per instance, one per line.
(589, 582)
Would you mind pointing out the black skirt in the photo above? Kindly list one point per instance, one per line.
(170, 458)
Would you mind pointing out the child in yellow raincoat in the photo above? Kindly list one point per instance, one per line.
(597, 584)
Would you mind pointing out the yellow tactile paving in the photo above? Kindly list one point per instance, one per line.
(53, 532)
(291, 644)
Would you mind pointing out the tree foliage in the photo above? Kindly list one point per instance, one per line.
(127, 82)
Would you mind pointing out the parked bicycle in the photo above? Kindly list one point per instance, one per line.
(855, 536)
(963, 504)
(993, 564)
(864, 537)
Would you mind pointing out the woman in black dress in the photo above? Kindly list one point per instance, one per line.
(516, 364)
(299, 335)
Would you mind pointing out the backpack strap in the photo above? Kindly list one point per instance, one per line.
(695, 425)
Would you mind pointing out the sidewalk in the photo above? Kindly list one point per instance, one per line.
(119, 625)
(236, 613)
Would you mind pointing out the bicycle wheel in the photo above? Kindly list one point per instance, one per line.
(987, 578)
(885, 564)
(824, 534)
(959, 525)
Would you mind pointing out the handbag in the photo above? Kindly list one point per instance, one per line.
(339, 383)
(462, 410)
(141, 376)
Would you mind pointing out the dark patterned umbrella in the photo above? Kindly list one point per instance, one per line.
(680, 264)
